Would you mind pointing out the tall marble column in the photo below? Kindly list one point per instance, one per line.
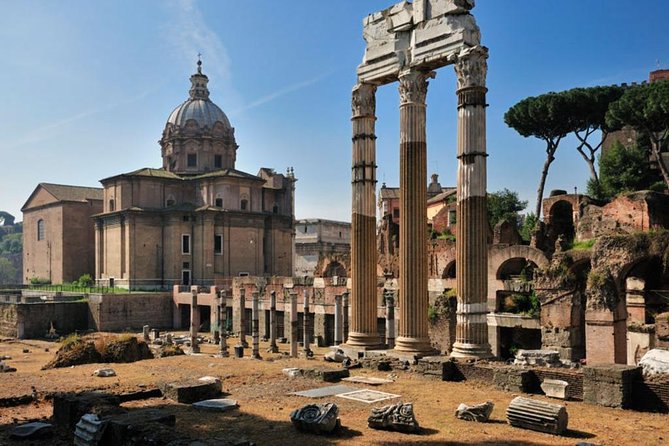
(363, 334)
(413, 302)
(471, 248)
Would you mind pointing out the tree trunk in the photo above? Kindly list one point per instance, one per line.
(542, 182)
(591, 164)
(656, 146)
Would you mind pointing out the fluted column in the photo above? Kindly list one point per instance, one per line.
(413, 336)
(363, 332)
(471, 249)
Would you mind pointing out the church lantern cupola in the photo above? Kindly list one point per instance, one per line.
(198, 137)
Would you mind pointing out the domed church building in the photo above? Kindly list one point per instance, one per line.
(197, 220)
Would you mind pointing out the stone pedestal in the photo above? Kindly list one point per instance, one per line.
(471, 256)
(610, 385)
(413, 302)
(363, 334)
(194, 321)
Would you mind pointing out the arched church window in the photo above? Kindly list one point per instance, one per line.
(218, 202)
(111, 205)
(40, 229)
(192, 160)
(244, 204)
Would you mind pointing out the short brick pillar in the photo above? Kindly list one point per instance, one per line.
(610, 384)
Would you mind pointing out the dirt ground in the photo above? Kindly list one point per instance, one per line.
(261, 390)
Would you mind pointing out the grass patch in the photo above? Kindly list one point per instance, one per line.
(583, 245)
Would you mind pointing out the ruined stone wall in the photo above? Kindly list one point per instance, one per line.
(8, 319)
(35, 319)
(115, 312)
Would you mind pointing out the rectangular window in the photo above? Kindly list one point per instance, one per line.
(219, 202)
(218, 161)
(192, 160)
(451, 218)
(218, 244)
(185, 244)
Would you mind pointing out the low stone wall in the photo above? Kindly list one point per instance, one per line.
(33, 320)
(573, 376)
(115, 312)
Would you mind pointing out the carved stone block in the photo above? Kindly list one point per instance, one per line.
(316, 418)
(537, 415)
(394, 417)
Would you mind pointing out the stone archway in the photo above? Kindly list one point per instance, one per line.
(405, 43)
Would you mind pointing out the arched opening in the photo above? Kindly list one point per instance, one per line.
(562, 220)
(111, 205)
(449, 271)
(218, 202)
(40, 229)
(334, 269)
(244, 204)
(517, 308)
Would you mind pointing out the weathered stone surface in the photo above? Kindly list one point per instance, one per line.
(327, 375)
(31, 430)
(609, 384)
(655, 362)
(555, 388)
(316, 418)
(370, 380)
(543, 358)
(321, 392)
(394, 417)
(537, 415)
(120, 428)
(68, 409)
(191, 391)
(432, 366)
(292, 372)
(513, 379)
(217, 405)
(479, 412)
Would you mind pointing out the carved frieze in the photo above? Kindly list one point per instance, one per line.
(363, 101)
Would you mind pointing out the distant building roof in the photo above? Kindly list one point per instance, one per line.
(445, 194)
(64, 192)
(162, 173)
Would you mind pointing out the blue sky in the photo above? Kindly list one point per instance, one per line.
(87, 86)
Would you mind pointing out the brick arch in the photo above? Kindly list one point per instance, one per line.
(497, 256)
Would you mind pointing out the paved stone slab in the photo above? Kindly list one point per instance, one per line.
(370, 380)
(321, 392)
(218, 405)
(368, 396)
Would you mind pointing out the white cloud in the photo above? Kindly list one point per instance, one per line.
(281, 92)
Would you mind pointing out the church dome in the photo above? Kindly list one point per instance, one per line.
(198, 106)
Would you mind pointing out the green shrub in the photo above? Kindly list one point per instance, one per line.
(85, 281)
(39, 281)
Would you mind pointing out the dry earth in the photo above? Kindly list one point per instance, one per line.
(263, 416)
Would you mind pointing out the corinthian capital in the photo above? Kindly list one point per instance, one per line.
(363, 101)
(471, 67)
(413, 86)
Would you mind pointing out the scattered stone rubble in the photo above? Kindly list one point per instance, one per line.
(479, 412)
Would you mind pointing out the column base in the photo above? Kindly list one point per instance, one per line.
(471, 351)
(363, 341)
(419, 346)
